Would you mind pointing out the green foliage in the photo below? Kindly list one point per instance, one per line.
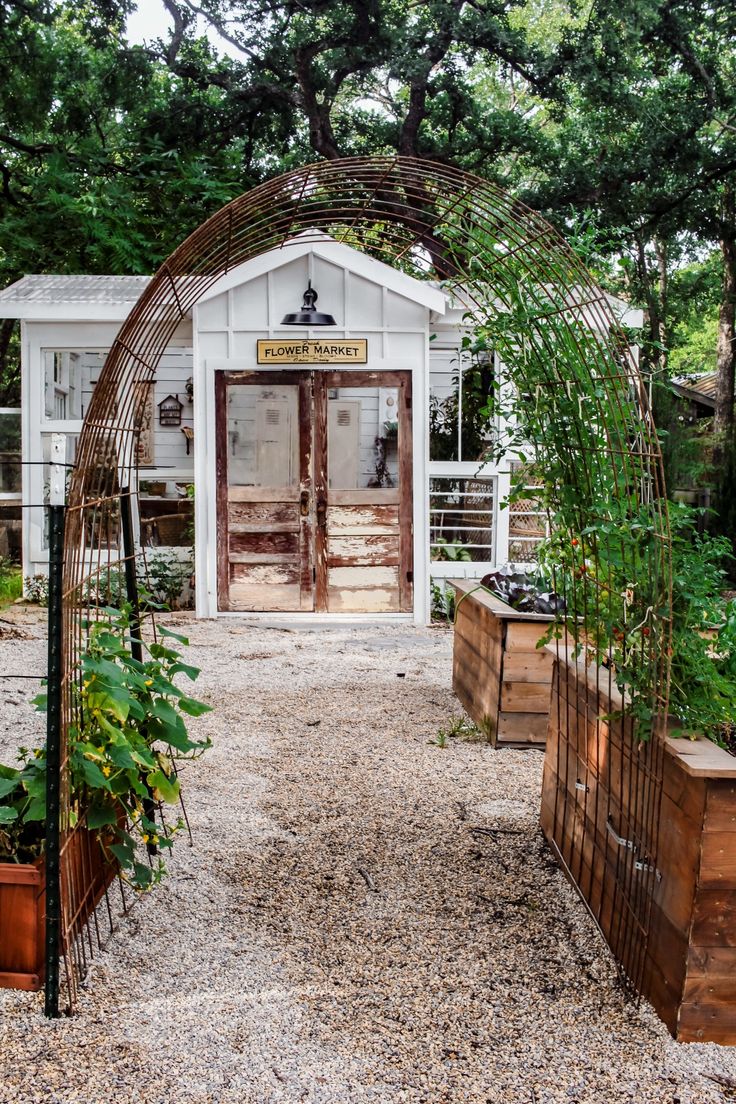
(166, 580)
(128, 732)
(11, 582)
(703, 687)
(442, 602)
(36, 589)
(443, 549)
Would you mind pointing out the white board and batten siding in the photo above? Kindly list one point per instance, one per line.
(250, 303)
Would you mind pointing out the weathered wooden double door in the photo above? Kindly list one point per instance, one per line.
(314, 491)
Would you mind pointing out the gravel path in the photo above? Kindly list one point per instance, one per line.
(341, 932)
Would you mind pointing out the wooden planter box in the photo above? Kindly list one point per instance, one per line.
(690, 970)
(22, 910)
(23, 907)
(500, 676)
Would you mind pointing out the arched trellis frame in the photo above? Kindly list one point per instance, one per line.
(583, 407)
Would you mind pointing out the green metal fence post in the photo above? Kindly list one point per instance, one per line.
(53, 725)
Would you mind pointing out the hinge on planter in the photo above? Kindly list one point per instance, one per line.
(410, 576)
(620, 840)
(639, 864)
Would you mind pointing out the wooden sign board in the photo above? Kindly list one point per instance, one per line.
(307, 351)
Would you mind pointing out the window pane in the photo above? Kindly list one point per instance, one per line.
(527, 517)
(263, 436)
(461, 519)
(10, 452)
(444, 404)
(363, 437)
(476, 437)
(69, 379)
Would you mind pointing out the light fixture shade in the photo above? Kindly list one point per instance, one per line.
(308, 315)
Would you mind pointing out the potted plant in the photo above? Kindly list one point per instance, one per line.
(128, 732)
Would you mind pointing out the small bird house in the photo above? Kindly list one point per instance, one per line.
(169, 411)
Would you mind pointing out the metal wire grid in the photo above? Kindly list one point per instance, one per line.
(431, 221)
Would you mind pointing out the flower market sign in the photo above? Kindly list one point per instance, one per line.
(313, 352)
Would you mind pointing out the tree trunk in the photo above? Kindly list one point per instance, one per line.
(723, 423)
(662, 291)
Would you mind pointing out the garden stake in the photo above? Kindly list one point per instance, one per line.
(53, 731)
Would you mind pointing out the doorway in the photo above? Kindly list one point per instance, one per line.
(314, 491)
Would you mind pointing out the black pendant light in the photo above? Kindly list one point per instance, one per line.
(308, 316)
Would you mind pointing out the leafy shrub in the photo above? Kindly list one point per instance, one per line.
(36, 589)
(128, 732)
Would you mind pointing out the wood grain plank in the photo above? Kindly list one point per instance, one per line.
(254, 513)
(406, 480)
(534, 666)
(321, 500)
(720, 808)
(363, 600)
(524, 637)
(363, 551)
(523, 728)
(366, 497)
(221, 491)
(263, 543)
(525, 697)
(263, 494)
(369, 520)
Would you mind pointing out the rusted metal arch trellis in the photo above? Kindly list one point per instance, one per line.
(510, 269)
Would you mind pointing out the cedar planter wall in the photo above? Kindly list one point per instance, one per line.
(22, 909)
(690, 971)
(500, 676)
(88, 875)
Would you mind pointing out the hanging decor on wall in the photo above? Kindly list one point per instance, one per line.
(143, 402)
(169, 411)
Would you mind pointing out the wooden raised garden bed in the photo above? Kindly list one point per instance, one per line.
(500, 676)
(23, 906)
(690, 970)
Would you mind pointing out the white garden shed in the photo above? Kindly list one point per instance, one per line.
(337, 470)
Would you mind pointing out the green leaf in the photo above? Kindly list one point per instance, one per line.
(163, 631)
(165, 789)
(93, 776)
(7, 814)
(165, 712)
(142, 875)
(123, 852)
(7, 785)
(36, 810)
(100, 816)
(185, 669)
(193, 707)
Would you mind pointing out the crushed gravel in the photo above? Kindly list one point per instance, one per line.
(365, 916)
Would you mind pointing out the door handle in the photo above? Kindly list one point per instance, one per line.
(304, 503)
(322, 511)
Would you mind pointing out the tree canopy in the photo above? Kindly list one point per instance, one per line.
(617, 120)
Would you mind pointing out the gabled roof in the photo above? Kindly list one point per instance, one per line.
(344, 256)
(110, 298)
(701, 390)
(91, 297)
